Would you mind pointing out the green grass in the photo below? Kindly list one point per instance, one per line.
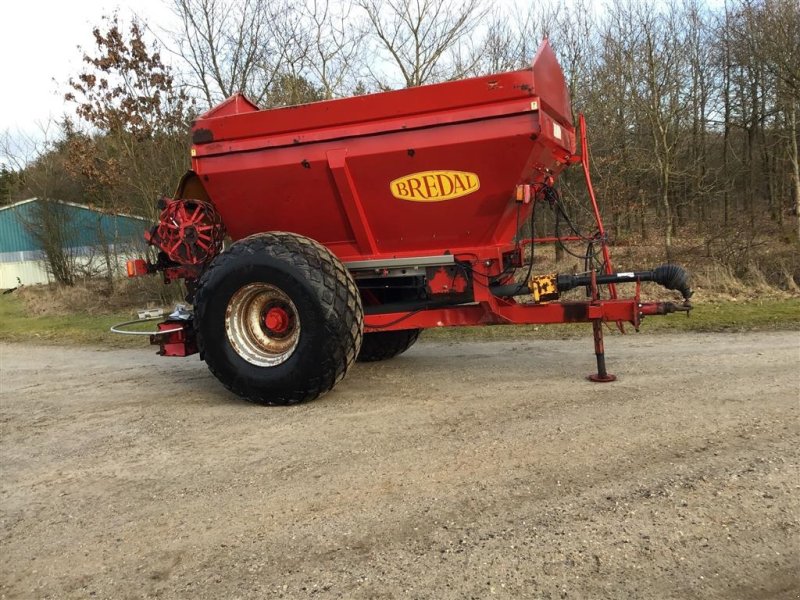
(16, 325)
(733, 316)
(756, 315)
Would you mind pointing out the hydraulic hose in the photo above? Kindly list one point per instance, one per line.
(672, 277)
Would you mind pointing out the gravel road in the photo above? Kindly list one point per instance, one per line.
(459, 470)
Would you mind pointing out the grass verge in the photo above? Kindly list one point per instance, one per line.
(728, 316)
(17, 325)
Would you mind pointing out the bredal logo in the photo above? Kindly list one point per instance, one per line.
(435, 186)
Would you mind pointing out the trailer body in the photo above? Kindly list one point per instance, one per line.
(391, 212)
(326, 170)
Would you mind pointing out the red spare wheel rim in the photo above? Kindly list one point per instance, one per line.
(262, 324)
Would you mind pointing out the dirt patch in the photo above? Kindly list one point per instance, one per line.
(459, 470)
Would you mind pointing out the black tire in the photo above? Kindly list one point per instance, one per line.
(325, 321)
(383, 345)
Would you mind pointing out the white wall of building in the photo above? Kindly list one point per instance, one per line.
(31, 271)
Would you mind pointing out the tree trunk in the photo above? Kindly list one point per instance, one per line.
(667, 213)
(793, 158)
(727, 125)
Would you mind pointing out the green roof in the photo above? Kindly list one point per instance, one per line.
(83, 226)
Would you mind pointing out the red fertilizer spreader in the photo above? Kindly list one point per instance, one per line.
(313, 236)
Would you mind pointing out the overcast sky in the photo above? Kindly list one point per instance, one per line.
(39, 42)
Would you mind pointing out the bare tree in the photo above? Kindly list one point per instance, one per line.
(620, 170)
(422, 37)
(50, 227)
(507, 43)
(698, 37)
(40, 164)
(234, 46)
(659, 97)
(770, 31)
(335, 48)
(573, 39)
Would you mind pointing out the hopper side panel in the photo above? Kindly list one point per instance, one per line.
(294, 189)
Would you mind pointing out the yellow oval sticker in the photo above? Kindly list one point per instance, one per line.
(435, 186)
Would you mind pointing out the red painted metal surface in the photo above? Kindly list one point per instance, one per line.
(176, 338)
(277, 320)
(448, 169)
(136, 267)
(189, 232)
(445, 171)
(512, 313)
(325, 169)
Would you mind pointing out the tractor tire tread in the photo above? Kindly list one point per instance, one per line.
(383, 345)
(334, 286)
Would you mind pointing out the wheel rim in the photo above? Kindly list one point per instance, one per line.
(262, 324)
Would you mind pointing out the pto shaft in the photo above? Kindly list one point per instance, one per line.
(671, 277)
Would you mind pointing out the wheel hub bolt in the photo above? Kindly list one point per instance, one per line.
(276, 320)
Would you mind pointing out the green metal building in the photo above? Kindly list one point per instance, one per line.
(84, 232)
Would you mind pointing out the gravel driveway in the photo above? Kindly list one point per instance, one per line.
(459, 470)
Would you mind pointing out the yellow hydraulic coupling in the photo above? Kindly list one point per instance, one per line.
(543, 287)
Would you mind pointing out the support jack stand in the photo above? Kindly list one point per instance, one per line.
(602, 376)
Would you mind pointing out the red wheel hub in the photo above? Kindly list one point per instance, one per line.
(277, 320)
